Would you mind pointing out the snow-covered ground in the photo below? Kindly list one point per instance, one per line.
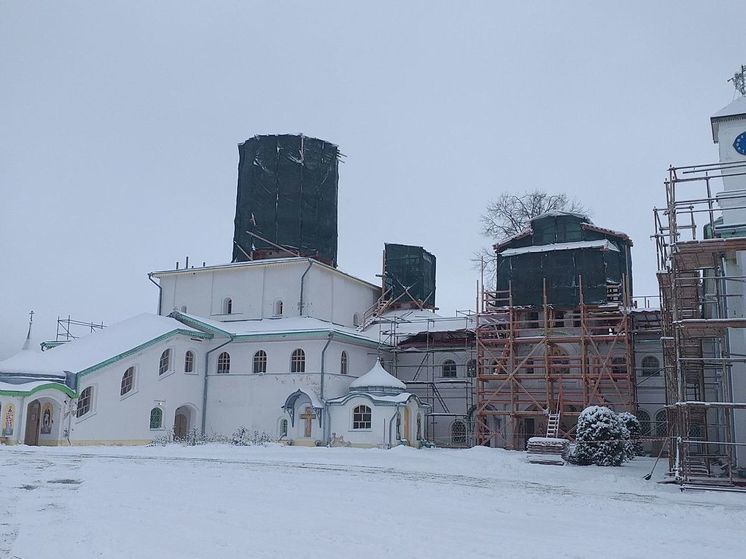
(223, 501)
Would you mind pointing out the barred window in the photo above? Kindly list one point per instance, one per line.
(165, 363)
(361, 417)
(156, 418)
(298, 361)
(224, 363)
(128, 379)
(458, 432)
(661, 424)
(644, 418)
(84, 402)
(260, 361)
(449, 368)
(189, 362)
(343, 363)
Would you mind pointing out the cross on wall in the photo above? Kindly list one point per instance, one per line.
(308, 416)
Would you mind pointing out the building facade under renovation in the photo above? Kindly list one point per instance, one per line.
(701, 239)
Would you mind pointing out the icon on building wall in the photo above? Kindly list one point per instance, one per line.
(10, 417)
(46, 419)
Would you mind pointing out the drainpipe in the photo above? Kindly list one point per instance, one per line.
(323, 367)
(204, 388)
(160, 291)
(302, 283)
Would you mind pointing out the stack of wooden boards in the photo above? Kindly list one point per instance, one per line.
(547, 450)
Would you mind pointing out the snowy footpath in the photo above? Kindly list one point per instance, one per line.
(255, 502)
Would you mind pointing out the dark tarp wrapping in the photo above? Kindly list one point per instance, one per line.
(410, 273)
(287, 194)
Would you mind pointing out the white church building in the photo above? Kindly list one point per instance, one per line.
(269, 345)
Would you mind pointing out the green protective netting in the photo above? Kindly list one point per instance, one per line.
(287, 193)
(413, 268)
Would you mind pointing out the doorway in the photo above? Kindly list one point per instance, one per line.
(33, 413)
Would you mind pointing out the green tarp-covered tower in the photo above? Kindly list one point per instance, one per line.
(559, 252)
(286, 203)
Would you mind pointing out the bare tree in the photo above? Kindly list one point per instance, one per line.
(511, 213)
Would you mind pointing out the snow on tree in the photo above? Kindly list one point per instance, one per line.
(602, 438)
(634, 447)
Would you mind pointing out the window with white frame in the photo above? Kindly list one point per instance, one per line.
(361, 417)
(448, 368)
(343, 363)
(278, 308)
(189, 362)
(283, 428)
(298, 361)
(224, 363)
(164, 365)
(260, 361)
(85, 402)
(128, 381)
(156, 418)
(227, 305)
(650, 366)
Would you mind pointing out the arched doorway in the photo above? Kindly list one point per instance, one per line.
(407, 428)
(182, 422)
(33, 420)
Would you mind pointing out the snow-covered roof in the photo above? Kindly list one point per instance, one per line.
(559, 213)
(95, 348)
(377, 378)
(26, 388)
(400, 398)
(734, 109)
(272, 326)
(404, 323)
(602, 244)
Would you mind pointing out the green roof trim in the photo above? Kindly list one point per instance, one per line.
(47, 386)
(129, 352)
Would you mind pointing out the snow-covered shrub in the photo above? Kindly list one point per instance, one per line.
(243, 437)
(602, 438)
(634, 447)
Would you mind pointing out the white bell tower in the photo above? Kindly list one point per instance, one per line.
(729, 132)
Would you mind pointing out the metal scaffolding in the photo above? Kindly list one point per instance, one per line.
(697, 284)
(542, 360)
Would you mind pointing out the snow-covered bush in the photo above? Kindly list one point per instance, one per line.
(243, 437)
(634, 447)
(602, 438)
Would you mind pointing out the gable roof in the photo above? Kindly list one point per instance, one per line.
(98, 348)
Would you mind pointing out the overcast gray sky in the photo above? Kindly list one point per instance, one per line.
(119, 123)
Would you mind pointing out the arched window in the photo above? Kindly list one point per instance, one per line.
(644, 418)
(661, 424)
(298, 361)
(471, 368)
(283, 428)
(458, 432)
(361, 417)
(650, 366)
(278, 307)
(85, 401)
(224, 363)
(156, 418)
(343, 363)
(165, 363)
(356, 320)
(260, 361)
(189, 362)
(227, 305)
(128, 381)
(448, 368)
